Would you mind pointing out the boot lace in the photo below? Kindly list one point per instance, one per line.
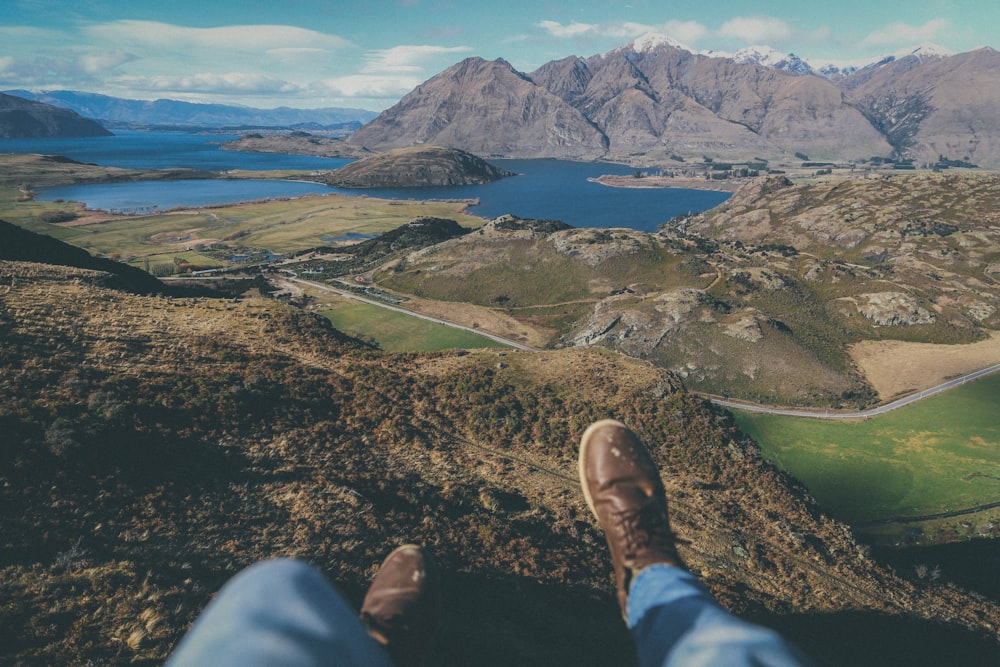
(646, 530)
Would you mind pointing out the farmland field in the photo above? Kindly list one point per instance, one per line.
(214, 234)
(939, 455)
(396, 332)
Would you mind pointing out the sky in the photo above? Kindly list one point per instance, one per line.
(367, 54)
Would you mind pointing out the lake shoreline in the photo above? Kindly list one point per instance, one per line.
(618, 181)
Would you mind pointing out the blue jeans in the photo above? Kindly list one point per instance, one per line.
(675, 621)
(278, 612)
(284, 612)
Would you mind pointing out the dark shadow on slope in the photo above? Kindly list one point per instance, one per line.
(863, 639)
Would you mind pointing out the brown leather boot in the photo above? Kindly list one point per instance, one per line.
(403, 605)
(624, 491)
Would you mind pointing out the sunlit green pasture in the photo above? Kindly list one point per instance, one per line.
(397, 332)
(938, 455)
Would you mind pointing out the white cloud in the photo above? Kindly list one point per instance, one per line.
(688, 32)
(101, 62)
(574, 29)
(756, 29)
(233, 83)
(247, 38)
(902, 33)
(408, 58)
(367, 86)
(61, 68)
(297, 55)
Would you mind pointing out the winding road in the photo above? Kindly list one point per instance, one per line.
(381, 304)
(863, 414)
(726, 403)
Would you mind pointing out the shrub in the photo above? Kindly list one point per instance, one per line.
(57, 216)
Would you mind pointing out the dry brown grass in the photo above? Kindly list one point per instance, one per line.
(895, 368)
(487, 319)
(196, 436)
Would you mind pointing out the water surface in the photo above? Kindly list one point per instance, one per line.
(543, 189)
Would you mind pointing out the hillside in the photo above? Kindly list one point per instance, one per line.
(154, 446)
(655, 102)
(761, 298)
(20, 245)
(415, 167)
(20, 118)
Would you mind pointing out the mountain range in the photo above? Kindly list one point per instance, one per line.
(117, 112)
(654, 100)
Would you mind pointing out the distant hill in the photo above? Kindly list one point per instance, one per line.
(22, 118)
(119, 111)
(414, 167)
(654, 100)
(295, 143)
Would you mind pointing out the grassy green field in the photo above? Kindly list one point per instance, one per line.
(280, 226)
(397, 332)
(941, 454)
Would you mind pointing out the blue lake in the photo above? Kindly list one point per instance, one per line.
(543, 189)
(145, 197)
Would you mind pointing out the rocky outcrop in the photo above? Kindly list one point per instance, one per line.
(893, 309)
(20, 118)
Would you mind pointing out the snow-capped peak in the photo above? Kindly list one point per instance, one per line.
(770, 57)
(924, 51)
(652, 41)
(759, 55)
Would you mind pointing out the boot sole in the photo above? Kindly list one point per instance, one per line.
(584, 441)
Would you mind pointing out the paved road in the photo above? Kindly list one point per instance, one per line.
(864, 414)
(381, 304)
(735, 405)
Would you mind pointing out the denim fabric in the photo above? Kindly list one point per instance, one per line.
(675, 621)
(278, 612)
(284, 612)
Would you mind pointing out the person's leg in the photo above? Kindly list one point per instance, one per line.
(278, 612)
(673, 619)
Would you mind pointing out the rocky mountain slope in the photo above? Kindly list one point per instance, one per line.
(488, 109)
(25, 118)
(944, 106)
(654, 100)
(415, 167)
(154, 446)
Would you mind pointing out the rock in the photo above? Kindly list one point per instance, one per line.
(893, 309)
